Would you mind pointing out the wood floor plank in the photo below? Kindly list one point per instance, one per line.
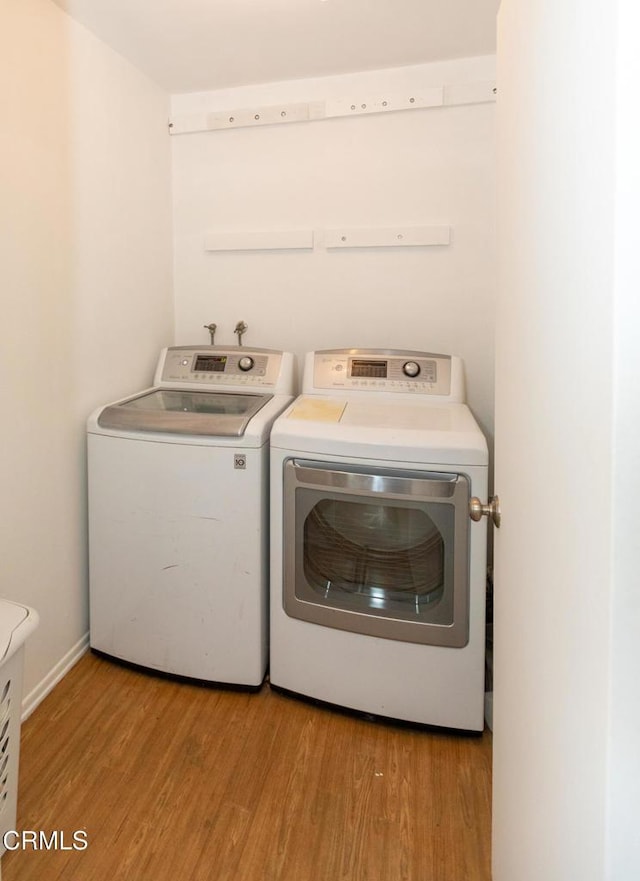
(176, 782)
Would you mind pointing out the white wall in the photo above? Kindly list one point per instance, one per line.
(418, 167)
(566, 707)
(85, 239)
(624, 720)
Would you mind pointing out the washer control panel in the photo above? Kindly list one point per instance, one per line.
(378, 370)
(218, 366)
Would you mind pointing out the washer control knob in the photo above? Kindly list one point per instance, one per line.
(245, 363)
(411, 368)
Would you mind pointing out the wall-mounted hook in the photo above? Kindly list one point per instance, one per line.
(241, 328)
(212, 330)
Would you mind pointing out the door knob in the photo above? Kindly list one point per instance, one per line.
(477, 510)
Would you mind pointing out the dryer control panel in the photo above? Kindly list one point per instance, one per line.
(224, 367)
(382, 370)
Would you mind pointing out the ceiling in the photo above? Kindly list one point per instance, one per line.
(199, 45)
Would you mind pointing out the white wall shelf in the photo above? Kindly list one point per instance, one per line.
(389, 237)
(344, 237)
(356, 105)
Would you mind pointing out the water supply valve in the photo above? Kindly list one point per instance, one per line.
(241, 328)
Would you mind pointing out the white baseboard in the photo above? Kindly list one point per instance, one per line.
(38, 694)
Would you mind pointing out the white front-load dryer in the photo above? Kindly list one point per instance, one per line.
(378, 573)
(178, 515)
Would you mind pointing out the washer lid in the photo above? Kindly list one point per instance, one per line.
(183, 411)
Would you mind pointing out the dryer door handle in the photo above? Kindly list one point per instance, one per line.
(427, 485)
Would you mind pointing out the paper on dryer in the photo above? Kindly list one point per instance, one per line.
(318, 410)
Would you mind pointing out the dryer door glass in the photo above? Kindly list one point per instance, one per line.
(382, 553)
(377, 556)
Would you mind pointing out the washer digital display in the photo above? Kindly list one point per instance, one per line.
(210, 363)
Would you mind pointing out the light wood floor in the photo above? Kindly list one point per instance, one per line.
(177, 782)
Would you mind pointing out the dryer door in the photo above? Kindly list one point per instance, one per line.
(378, 551)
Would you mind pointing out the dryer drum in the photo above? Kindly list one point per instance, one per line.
(371, 549)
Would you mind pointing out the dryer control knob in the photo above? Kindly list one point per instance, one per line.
(411, 368)
(245, 363)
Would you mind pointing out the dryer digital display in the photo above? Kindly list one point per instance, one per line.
(369, 369)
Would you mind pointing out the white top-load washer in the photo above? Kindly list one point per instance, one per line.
(178, 514)
(377, 573)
